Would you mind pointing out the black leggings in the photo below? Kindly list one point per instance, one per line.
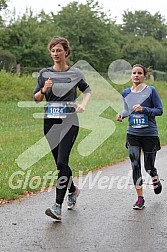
(150, 145)
(61, 137)
(149, 160)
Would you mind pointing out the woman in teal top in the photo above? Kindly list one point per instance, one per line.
(141, 105)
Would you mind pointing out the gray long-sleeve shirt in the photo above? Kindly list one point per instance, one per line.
(65, 84)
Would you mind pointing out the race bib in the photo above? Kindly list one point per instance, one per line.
(139, 120)
(56, 110)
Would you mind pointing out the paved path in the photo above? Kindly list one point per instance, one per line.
(102, 221)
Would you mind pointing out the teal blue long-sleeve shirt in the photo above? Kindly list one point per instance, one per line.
(149, 99)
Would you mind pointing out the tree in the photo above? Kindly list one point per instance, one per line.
(142, 23)
(142, 50)
(3, 6)
(88, 31)
(160, 58)
(28, 37)
(92, 35)
(7, 61)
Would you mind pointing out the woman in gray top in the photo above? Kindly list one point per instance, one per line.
(59, 84)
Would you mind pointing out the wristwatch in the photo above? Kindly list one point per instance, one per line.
(42, 91)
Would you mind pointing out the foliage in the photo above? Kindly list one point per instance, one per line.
(7, 60)
(159, 76)
(18, 87)
(142, 23)
(26, 40)
(3, 4)
(143, 50)
(93, 36)
(89, 34)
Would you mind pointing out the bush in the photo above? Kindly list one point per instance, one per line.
(30, 70)
(159, 76)
(7, 61)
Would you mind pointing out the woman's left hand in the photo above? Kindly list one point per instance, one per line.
(137, 108)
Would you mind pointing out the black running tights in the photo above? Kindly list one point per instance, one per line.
(61, 140)
(149, 161)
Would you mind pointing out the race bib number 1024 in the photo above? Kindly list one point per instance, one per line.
(56, 110)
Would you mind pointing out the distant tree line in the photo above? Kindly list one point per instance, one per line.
(93, 35)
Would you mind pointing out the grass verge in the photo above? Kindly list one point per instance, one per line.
(19, 130)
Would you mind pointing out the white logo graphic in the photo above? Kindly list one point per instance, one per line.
(103, 97)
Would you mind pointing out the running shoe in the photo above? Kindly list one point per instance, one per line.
(54, 212)
(139, 205)
(157, 185)
(72, 198)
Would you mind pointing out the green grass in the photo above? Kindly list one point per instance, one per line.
(19, 130)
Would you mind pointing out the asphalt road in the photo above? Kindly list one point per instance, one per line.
(102, 221)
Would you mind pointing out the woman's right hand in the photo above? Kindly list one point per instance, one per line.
(119, 117)
(48, 84)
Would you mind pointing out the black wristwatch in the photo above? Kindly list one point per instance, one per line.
(42, 91)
